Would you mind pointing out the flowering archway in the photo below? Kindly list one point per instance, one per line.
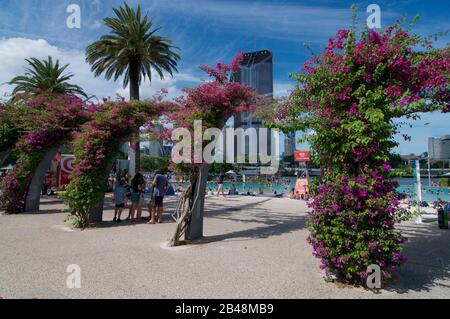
(349, 97)
(96, 145)
(36, 127)
(98, 141)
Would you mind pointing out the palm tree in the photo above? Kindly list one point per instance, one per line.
(45, 76)
(132, 50)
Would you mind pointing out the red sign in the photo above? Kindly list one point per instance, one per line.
(66, 169)
(302, 156)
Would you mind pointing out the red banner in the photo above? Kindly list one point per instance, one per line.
(66, 169)
(302, 156)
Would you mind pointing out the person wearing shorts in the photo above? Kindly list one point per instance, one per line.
(220, 185)
(151, 205)
(120, 192)
(136, 188)
(141, 197)
(160, 187)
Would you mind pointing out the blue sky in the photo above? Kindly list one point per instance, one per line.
(207, 31)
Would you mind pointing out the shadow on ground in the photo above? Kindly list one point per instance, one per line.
(271, 223)
(108, 214)
(428, 253)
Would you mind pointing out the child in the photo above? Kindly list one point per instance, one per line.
(119, 198)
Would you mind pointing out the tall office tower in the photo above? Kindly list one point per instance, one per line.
(153, 146)
(439, 148)
(289, 144)
(257, 72)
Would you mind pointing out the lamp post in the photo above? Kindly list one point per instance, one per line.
(419, 189)
(429, 171)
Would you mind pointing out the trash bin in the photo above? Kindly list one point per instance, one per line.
(443, 216)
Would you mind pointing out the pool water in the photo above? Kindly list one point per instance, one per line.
(406, 185)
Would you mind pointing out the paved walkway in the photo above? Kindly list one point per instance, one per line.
(254, 248)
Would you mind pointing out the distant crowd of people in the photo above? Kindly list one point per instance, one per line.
(299, 196)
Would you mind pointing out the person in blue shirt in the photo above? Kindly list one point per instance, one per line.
(160, 186)
(447, 207)
(120, 193)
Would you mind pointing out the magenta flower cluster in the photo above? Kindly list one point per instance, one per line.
(47, 121)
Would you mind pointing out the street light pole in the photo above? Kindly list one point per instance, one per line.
(418, 189)
(429, 171)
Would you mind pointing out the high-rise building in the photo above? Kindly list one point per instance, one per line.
(257, 72)
(439, 148)
(154, 146)
(289, 144)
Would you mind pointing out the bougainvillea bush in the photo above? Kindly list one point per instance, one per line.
(213, 102)
(43, 122)
(347, 99)
(11, 115)
(96, 145)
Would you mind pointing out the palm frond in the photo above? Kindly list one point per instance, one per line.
(45, 76)
(132, 38)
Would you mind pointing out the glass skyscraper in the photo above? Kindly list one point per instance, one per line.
(257, 72)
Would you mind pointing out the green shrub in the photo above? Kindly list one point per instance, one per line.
(444, 182)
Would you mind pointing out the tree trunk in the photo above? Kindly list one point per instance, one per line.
(195, 227)
(191, 220)
(134, 95)
(33, 198)
(96, 211)
(4, 156)
(190, 208)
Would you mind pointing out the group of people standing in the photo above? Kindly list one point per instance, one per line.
(141, 195)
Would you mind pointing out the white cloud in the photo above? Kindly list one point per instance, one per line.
(14, 51)
(96, 24)
(282, 89)
(286, 21)
(147, 90)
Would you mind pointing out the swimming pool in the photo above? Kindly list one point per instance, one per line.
(406, 185)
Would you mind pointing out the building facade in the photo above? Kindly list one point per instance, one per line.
(257, 72)
(439, 148)
(289, 144)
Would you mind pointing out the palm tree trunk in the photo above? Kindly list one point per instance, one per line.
(134, 95)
